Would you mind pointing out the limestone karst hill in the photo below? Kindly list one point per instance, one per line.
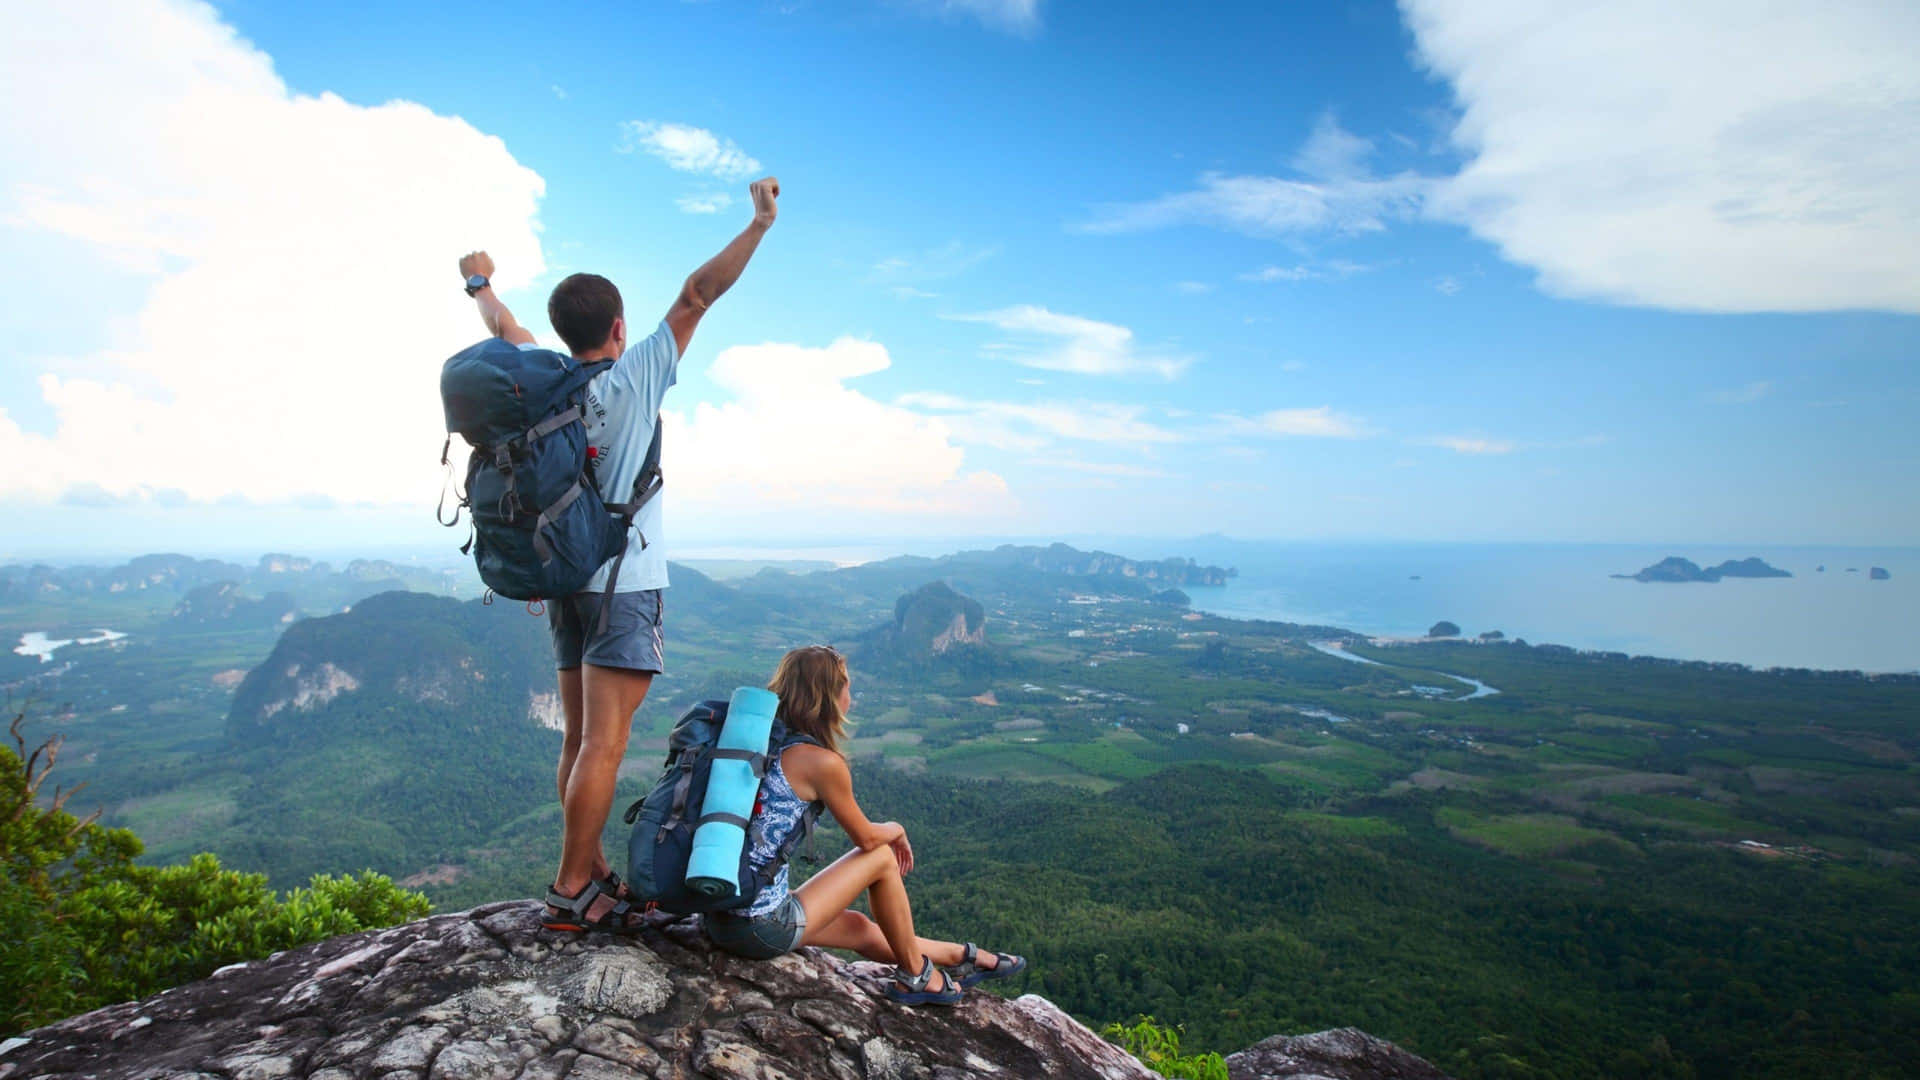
(487, 995)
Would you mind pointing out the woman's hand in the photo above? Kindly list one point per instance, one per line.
(903, 852)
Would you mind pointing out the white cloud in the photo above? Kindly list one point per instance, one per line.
(1744, 395)
(1078, 345)
(1268, 274)
(711, 202)
(1192, 288)
(1332, 269)
(1447, 285)
(1710, 156)
(1471, 444)
(1012, 16)
(1335, 193)
(1271, 206)
(689, 149)
(1032, 426)
(296, 260)
(795, 435)
(949, 260)
(1321, 422)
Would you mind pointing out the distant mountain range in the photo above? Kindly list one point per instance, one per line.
(316, 586)
(1064, 560)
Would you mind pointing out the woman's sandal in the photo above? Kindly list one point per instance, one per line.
(970, 973)
(621, 918)
(908, 989)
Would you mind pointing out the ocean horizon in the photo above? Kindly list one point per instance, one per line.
(1545, 593)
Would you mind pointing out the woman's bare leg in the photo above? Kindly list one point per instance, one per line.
(855, 931)
(887, 936)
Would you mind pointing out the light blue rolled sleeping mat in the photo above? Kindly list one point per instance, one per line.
(733, 783)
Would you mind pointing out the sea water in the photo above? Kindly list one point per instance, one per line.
(1563, 594)
(38, 643)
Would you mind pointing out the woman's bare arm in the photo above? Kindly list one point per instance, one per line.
(832, 782)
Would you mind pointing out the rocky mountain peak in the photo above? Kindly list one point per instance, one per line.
(487, 994)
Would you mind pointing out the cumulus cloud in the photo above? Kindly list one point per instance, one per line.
(689, 149)
(294, 257)
(794, 434)
(1707, 156)
(1055, 342)
(1334, 192)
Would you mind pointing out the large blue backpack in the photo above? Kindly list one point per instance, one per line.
(664, 819)
(541, 527)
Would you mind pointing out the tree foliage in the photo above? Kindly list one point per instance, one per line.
(1158, 1047)
(87, 926)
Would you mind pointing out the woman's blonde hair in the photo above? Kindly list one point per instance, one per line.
(809, 681)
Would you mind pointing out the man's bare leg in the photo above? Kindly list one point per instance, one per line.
(572, 709)
(609, 697)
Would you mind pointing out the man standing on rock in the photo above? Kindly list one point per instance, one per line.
(606, 666)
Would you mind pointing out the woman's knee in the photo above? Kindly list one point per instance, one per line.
(881, 863)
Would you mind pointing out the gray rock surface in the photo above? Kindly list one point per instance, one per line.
(488, 995)
(1340, 1054)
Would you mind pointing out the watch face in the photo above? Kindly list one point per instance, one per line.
(476, 282)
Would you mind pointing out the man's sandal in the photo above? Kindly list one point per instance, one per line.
(970, 973)
(614, 887)
(571, 911)
(908, 989)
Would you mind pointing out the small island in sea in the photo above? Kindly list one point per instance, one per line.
(1673, 568)
(1878, 573)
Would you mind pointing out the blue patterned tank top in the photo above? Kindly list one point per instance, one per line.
(778, 814)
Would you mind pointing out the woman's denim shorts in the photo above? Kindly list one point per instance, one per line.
(760, 937)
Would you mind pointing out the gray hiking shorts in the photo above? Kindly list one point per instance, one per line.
(759, 937)
(631, 639)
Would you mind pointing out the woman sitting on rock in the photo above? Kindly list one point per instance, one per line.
(815, 694)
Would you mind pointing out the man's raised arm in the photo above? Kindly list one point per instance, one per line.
(720, 272)
(500, 322)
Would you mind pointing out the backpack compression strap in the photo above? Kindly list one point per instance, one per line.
(645, 487)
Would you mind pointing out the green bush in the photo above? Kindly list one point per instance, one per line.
(89, 927)
(1159, 1048)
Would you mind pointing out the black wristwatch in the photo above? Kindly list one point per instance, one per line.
(476, 283)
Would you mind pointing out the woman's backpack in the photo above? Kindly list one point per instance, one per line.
(540, 526)
(664, 820)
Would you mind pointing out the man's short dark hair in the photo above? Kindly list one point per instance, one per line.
(582, 309)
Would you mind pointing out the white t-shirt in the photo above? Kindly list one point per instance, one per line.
(623, 403)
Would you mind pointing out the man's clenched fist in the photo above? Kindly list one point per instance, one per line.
(764, 193)
(476, 262)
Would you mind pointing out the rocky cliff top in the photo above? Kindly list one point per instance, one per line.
(487, 994)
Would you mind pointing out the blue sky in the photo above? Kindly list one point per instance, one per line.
(1437, 271)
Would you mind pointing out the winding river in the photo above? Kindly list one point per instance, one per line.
(1480, 689)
